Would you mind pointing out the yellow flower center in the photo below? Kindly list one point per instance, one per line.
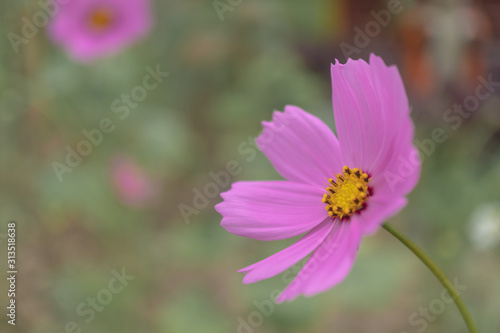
(100, 19)
(347, 194)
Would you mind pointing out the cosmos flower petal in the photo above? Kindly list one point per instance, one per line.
(378, 211)
(288, 257)
(390, 88)
(402, 170)
(329, 264)
(370, 108)
(271, 210)
(300, 146)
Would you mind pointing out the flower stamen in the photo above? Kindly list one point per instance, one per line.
(100, 19)
(347, 194)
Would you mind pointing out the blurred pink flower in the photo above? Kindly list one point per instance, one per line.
(89, 29)
(336, 190)
(132, 185)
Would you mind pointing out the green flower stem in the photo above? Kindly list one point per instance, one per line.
(437, 272)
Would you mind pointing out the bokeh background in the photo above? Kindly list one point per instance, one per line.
(120, 208)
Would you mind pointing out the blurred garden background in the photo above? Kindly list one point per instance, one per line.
(135, 202)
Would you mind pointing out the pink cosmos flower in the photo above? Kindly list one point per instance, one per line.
(132, 185)
(89, 29)
(336, 190)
